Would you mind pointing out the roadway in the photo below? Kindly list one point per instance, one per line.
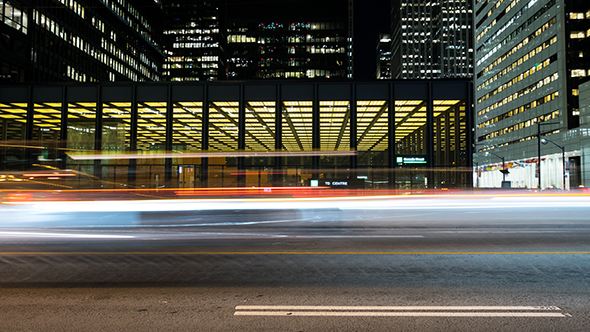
(480, 267)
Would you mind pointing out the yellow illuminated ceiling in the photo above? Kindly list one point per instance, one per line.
(16, 117)
(260, 125)
(187, 125)
(372, 125)
(297, 125)
(223, 126)
(334, 125)
(43, 115)
(117, 117)
(410, 116)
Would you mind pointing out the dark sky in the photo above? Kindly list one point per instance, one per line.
(371, 18)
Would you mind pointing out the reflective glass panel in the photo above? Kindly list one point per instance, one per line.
(13, 119)
(116, 133)
(450, 143)
(410, 144)
(151, 136)
(372, 118)
(187, 134)
(47, 132)
(334, 134)
(81, 137)
(151, 126)
(372, 132)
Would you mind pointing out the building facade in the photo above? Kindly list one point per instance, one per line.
(244, 40)
(81, 40)
(436, 39)
(402, 134)
(526, 89)
(383, 71)
(290, 39)
(194, 41)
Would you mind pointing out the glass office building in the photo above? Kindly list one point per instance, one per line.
(436, 39)
(531, 55)
(80, 41)
(406, 134)
(194, 41)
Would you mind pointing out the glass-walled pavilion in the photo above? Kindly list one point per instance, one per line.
(402, 134)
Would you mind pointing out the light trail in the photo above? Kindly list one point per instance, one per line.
(210, 253)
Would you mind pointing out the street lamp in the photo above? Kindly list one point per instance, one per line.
(545, 141)
(539, 124)
(504, 170)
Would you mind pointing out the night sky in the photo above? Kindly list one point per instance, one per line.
(371, 18)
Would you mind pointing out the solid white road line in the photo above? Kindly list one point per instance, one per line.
(400, 314)
(394, 308)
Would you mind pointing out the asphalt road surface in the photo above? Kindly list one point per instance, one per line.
(493, 272)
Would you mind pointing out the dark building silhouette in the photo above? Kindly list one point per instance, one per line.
(80, 40)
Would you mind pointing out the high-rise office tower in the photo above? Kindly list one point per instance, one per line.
(531, 55)
(435, 36)
(289, 39)
(383, 71)
(92, 40)
(243, 39)
(15, 45)
(194, 41)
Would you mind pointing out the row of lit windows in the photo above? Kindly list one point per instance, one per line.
(190, 65)
(14, 17)
(76, 75)
(531, 71)
(521, 125)
(518, 47)
(309, 73)
(491, 11)
(84, 46)
(192, 59)
(519, 62)
(195, 45)
(579, 34)
(304, 26)
(74, 6)
(212, 72)
(290, 39)
(240, 39)
(520, 109)
(579, 16)
(522, 27)
(508, 8)
(579, 73)
(135, 13)
(191, 31)
(97, 23)
(518, 94)
(320, 50)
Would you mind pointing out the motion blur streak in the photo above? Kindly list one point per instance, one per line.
(353, 211)
(64, 235)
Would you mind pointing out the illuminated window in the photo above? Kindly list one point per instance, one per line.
(577, 35)
(578, 73)
(577, 16)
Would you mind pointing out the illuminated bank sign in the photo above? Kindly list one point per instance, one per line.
(411, 160)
